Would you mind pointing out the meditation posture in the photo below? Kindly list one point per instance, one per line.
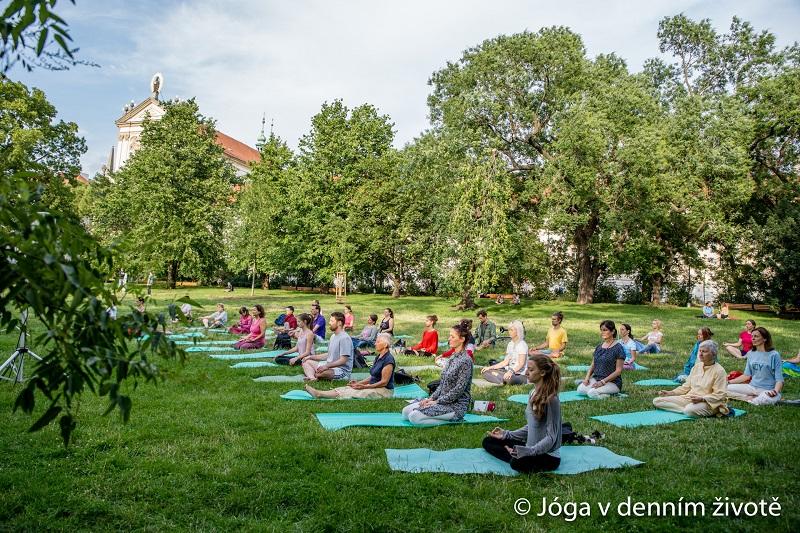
(305, 342)
(245, 320)
(705, 391)
(338, 362)
(451, 399)
(745, 343)
(653, 339)
(318, 324)
(605, 373)
(289, 321)
(703, 334)
(216, 319)
(765, 370)
(379, 384)
(258, 327)
(470, 349)
(535, 446)
(387, 324)
(368, 333)
(349, 318)
(629, 345)
(511, 370)
(708, 310)
(556, 341)
(486, 332)
(724, 312)
(515, 299)
(429, 345)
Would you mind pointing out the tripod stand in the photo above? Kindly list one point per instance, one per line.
(14, 367)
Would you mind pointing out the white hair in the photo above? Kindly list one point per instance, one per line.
(520, 329)
(385, 337)
(711, 346)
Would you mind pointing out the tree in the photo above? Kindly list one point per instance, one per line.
(170, 201)
(31, 141)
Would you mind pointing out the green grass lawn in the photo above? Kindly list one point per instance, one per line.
(208, 448)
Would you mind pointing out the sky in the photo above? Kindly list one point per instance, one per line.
(244, 59)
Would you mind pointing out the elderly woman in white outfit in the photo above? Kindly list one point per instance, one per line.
(511, 370)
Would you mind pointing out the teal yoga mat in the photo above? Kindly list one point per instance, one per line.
(406, 392)
(402, 336)
(210, 349)
(577, 368)
(225, 331)
(334, 421)
(637, 366)
(648, 418)
(574, 460)
(298, 378)
(202, 343)
(656, 383)
(566, 396)
(186, 334)
(254, 364)
(251, 355)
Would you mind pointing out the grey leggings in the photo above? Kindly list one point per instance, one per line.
(496, 376)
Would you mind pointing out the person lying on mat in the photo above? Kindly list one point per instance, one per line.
(338, 362)
(705, 391)
(605, 373)
(534, 447)
(765, 369)
(556, 341)
(254, 339)
(703, 334)
(305, 342)
(470, 348)
(216, 319)
(511, 370)
(739, 349)
(368, 334)
(629, 345)
(653, 339)
(245, 320)
(379, 384)
(429, 345)
(451, 399)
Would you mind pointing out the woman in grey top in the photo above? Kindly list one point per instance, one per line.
(535, 446)
(451, 399)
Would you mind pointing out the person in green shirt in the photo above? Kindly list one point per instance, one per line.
(486, 333)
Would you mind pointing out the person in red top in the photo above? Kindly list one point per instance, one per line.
(429, 346)
(290, 322)
(739, 349)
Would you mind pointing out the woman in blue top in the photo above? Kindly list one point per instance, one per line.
(379, 384)
(604, 377)
(703, 334)
(765, 370)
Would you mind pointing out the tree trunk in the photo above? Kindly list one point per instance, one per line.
(172, 273)
(655, 295)
(395, 285)
(467, 301)
(588, 267)
(253, 280)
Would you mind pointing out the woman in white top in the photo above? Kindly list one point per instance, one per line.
(654, 339)
(511, 370)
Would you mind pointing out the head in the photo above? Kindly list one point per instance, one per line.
(625, 330)
(314, 310)
(315, 302)
(557, 318)
(708, 304)
(704, 334)
(388, 313)
(546, 374)
(482, 316)
(305, 320)
(707, 352)
(762, 336)
(608, 330)
(243, 311)
(258, 311)
(657, 325)
(336, 321)
(516, 330)
(382, 342)
(750, 325)
(372, 320)
(431, 320)
(458, 336)
(140, 300)
(289, 310)
(348, 310)
(220, 307)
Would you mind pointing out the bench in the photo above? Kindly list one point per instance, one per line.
(493, 296)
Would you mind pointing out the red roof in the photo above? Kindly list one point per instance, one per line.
(80, 178)
(237, 149)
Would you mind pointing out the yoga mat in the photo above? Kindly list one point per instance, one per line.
(791, 370)
(574, 460)
(334, 421)
(201, 343)
(254, 364)
(298, 378)
(419, 368)
(225, 331)
(402, 336)
(186, 335)
(577, 368)
(209, 349)
(647, 418)
(444, 343)
(234, 356)
(657, 383)
(637, 366)
(563, 397)
(482, 383)
(407, 392)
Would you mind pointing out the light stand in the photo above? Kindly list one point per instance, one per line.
(14, 367)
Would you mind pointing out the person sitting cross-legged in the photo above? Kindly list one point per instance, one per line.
(451, 399)
(740, 348)
(216, 319)
(368, 334)
(338, 362)
(255, 338)
(305, 342)
(429, 345)
(511, 370)
(534, 447)
(705, 391)
(703, 334)
(556, 341)
(486, 332)
(379, 384)
(605, 373)
(765, 370)
(245, 320)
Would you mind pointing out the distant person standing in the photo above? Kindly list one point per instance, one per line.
(150, 280)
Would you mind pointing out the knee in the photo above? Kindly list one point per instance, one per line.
(416, 417)
(489, 443)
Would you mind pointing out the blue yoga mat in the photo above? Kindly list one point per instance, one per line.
(574, 460)
(334, 421)
(656, 383)
(648, 418)
(637, 366)
(210, 349)
(563, 397)
(407, 392)
(577, 368)
(225, 331)
(188, 334)
(402, 336)
(251, 355)
(254, 364)
(298, 378)
(202, 343)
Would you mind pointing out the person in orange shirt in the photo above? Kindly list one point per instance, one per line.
(429, 345)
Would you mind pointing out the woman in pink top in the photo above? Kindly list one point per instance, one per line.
(349, 319)
(245, 320)
(257, 330)
(740, 349)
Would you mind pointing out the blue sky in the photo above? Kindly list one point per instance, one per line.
(242, 59)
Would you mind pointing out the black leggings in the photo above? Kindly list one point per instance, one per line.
(531, 463)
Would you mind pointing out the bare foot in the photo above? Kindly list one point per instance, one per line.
(312, 391)
(795, 359)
